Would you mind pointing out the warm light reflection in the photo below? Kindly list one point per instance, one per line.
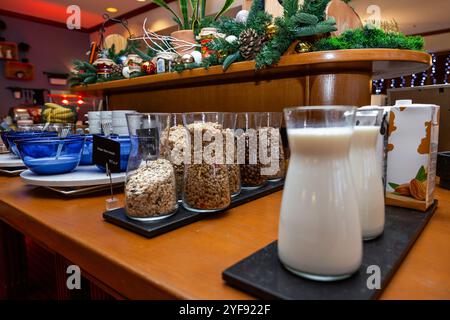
(112, 10)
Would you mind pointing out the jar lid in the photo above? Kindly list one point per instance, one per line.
(105, 61)
(207, 31)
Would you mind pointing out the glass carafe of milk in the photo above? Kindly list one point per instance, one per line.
(367, 172)
(319, 234)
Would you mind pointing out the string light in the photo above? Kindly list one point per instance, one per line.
(378, 85)
(433, 68)
(424, 78)
(413, 79)
(447, 70)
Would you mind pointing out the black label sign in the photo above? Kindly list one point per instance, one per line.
(106, 151)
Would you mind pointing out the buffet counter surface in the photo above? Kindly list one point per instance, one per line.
(188, 262)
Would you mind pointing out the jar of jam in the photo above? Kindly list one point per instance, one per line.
(104, 67)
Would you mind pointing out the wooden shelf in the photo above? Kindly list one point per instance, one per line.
(382, 63)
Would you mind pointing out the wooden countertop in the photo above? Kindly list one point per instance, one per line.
(381, 63)
(188, 262)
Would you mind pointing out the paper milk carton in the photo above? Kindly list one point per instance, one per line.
(411, 154)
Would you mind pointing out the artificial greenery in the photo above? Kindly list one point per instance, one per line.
(369, 37)
(294, 24)
(228, 52)
(299, 23)
(86, 73)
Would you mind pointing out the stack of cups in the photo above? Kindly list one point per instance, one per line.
(119, 122)
(95, 126)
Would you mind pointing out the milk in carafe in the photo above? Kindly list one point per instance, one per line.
(319, 230)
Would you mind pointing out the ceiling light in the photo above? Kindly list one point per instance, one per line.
(140, 0)
(112, 10)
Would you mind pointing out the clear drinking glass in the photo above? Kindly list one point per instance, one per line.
(234, 172)
(272, 122)
(319, 230)
(150, 191)
(247, 126)
(206, 186)
(367, 172)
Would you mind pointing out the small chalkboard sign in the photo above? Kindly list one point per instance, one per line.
(106, 152)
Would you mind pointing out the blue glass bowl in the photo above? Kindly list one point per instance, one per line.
(13, 136)
(39, 155)
(125, 148)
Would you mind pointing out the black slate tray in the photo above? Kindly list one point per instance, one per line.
(262, 275)
(183, 216)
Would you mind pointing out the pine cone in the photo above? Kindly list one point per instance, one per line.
(116, 69)
(250, 44)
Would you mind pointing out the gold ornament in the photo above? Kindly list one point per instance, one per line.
(270, 31)
(303, 47)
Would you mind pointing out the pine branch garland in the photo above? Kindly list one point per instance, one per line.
(370, 37)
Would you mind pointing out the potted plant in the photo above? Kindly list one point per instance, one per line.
(188, 24)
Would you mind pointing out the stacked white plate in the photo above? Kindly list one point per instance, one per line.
(84, 179)
(10, 164)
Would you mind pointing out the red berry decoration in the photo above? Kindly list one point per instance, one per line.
(148, 67)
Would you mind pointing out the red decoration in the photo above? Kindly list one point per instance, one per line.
(148, 67)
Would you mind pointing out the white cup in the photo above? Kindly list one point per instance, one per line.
(95, 127)
(119, 122)
(93, 115)
(121, 131)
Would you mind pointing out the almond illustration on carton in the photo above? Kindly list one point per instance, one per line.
(418, 189)
(403, 190)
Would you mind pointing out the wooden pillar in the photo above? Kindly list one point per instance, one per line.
(350, 88)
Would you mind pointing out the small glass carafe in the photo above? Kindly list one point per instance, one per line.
(367, 172)
(319, 229)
